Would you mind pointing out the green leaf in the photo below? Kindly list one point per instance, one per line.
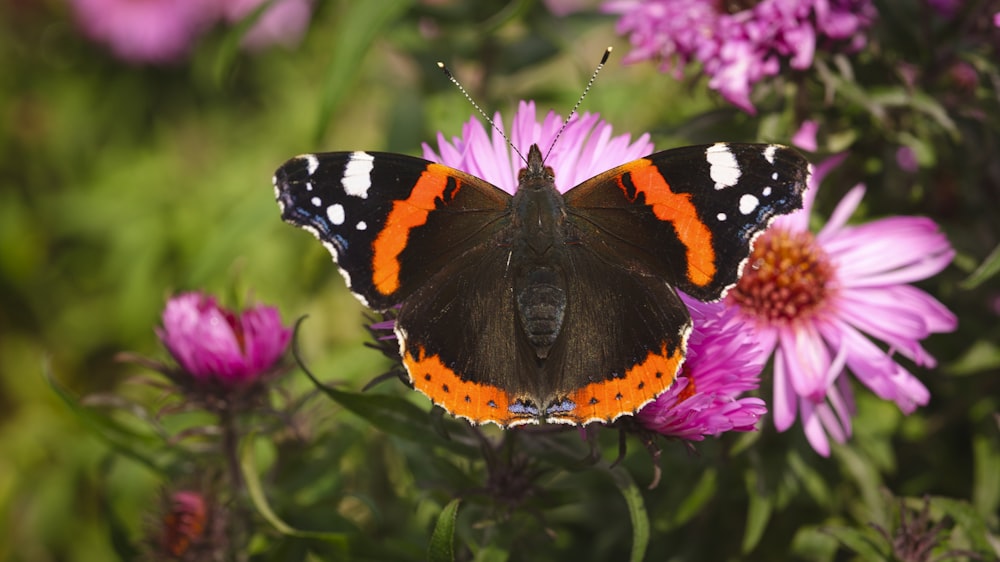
(390, 414)
(491, 553)
(260, 503)
(146, 449)
(986, 270)
(700, 494)
(758, 511)
(982, 356)
(857, 541)
(636, 510)
(442, 547)
(970, 523)
(986, 475)
(355, 32)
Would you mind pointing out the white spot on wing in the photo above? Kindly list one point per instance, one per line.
(766, 192)
(721, 216)
(312, 162)
(769, 153)
(748, 203)
(316, 201)
(357, 178)
(361, 225)
(723, 168)
(335, 213)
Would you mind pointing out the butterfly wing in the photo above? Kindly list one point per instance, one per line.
(373, 212)
(689, 215)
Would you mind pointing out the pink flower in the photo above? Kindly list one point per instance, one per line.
(737, 50)
(805, 137)
(216, 345)
(722, 363)
(146, 31)
(585, 149)
(184, 523)
(817, 300)
(283, 22)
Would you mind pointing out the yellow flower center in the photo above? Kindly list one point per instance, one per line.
(787, 278)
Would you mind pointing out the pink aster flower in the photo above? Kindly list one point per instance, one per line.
(817, 302)
(184, 523)
(722, 363)
(282, 23)
(585, 149)
(146, 31)
(219, 346)
(737, 50)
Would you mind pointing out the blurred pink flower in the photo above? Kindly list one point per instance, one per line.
(284, 22)
(722, 363)
(736, 50)
(817, 300)
(906, 159)
(805, 137)
(146, 31)
(184, 523)
(216, 345)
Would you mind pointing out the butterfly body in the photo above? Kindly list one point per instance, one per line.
(542, 306)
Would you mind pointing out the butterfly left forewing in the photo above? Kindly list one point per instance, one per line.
(389, 220)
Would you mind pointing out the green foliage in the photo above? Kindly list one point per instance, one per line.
(121, 184)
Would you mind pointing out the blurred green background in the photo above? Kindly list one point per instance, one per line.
(122, 184)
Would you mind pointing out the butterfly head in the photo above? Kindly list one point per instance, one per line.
(536, 172)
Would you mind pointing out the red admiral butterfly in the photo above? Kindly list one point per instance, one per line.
(542, 306)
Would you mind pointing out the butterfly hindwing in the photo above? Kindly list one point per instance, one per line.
(389, 220)
(689, 215)
(622, 341)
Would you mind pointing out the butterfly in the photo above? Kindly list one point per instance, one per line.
(542, 306)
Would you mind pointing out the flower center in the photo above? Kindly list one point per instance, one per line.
(787, 278)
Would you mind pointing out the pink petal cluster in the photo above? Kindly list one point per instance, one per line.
(723, 362)
(216, 345)
(867, 297)
(146, 31)
(164, 31)
(585, 149)
(737, 50)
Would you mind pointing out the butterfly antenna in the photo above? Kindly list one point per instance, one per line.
(465, 93)
(593, 78)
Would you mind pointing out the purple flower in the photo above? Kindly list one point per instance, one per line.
(722, 363)
(817, 300)
(146, 31)
(737, 50)
(283, 22)
(585, 149)
(216, 345)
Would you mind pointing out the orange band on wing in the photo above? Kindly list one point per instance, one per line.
(677, 209)
(606, 400)
(406, 214)
(478, 403)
